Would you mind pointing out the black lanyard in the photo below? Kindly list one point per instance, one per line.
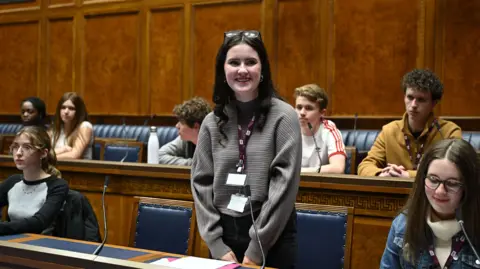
(421, 147)
(457, 244)
(242, 143)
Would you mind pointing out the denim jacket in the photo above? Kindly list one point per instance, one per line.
(393, 255)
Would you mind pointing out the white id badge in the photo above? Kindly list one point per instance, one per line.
(234, 179)
(237, 203)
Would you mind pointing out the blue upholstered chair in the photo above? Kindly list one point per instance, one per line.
(132, 151)
(473, 138)
(10, 128)
(163, 225)
(324, 235)
(135, 132)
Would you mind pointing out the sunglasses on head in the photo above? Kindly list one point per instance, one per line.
(250, 34)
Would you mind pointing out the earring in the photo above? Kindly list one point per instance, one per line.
(261, 78)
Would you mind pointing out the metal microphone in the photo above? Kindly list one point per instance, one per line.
(458, 216)
(100, 247)
(355, 130)
(247, 192)
(317, 149)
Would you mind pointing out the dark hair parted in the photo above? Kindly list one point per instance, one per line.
(81, 115)
(423, 80)
(40, 139)
(418, 235)
(223, 94)
(192, 111)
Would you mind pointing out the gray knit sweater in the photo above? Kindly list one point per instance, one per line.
(273, 163)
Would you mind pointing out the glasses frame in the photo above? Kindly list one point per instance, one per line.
(249, 34)
(23, 149)
(440, 182)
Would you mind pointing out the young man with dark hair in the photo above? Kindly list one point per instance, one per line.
(401, 143)
(190, 116)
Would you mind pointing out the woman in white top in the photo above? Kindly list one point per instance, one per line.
(71, 133)
(322, 144)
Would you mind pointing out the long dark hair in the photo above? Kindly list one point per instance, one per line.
(81, 115)
(223, 94)
(41, 140)
(418, 235)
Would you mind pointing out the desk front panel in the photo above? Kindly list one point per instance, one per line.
(375, 201)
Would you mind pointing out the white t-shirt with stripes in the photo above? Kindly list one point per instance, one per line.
(330, 142)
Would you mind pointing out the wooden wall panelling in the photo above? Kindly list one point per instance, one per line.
(19, 60)
(375, 44)
(270, 32)
(210, 22)
(298, 45)
(78, 75)
(369, 239)
(460, 58)
(112, 63)
(166, 59)
(426, 35)
(60, 60)
(144, 62)
(187, 76)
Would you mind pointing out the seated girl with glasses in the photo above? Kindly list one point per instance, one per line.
(35, 197)
(428, 234)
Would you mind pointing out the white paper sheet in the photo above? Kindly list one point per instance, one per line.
(194, 263)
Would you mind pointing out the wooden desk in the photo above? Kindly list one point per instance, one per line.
(67, 253)
(375, 200)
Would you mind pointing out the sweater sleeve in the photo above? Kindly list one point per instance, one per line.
(56, 195)
(208, 217)
(283, 187)
(377, 158)
(174, 153)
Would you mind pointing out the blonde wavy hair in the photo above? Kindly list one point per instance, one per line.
(40, 139)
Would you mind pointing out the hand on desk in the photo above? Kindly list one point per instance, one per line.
(229, 257)
(247, 261)
(393, 170)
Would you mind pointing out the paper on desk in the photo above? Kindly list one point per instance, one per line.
(195, 263)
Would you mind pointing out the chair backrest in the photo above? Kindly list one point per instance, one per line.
(361, 139)
(473, 138)
(350, 161)
(163, 225)
(10, 128)
(116, 150)
(324, 235)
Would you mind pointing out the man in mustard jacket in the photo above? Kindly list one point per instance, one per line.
(401, 143)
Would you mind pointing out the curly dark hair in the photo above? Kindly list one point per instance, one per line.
(192, 111)
(423, 80)
(223, 94)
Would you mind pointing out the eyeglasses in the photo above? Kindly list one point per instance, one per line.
(450, 185)
(25, 148)
(249, 34)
